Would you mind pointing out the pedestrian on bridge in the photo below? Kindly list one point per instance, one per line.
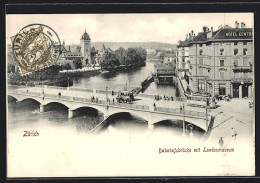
(154, 105)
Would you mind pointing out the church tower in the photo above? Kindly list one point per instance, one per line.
(85, 43)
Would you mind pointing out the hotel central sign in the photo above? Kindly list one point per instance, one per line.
(239, 34)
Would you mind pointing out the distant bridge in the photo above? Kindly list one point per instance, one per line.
(75, 101)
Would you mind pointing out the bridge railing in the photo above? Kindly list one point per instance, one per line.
(132, 106)
(182, 99)
(85, 100)
(39, 86)
(196, 98)
(81, 89)
(57, 87)
(47, 95)
(180, 112)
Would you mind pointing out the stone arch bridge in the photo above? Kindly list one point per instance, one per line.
(149, 113)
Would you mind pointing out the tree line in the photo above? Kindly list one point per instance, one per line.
(124, 57)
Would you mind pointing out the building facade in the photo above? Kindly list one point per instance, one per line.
(182, 58)
(169, 58)
(222, 61)
(85, 45)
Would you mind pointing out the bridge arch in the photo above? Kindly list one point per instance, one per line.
(56, 102)
(176, 122)
(29, 98)
(176, 126)
(22, 98)
(51, 105)
(125, 121)
(88, 110)
(11, 98)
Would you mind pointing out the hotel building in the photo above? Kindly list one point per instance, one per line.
(221, 62)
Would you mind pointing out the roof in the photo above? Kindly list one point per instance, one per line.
(184, 43)
(169, 55)
(73, 54)
(232, 33)
(225, 33)
(162, 66)
(85, 36)
(60, 47)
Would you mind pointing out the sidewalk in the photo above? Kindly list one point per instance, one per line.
(236, 123)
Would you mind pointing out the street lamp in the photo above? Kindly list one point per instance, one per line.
(68, 81)
(107, 96)
(183, 122)
(207, 104)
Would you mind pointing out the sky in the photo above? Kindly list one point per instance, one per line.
(160, 27)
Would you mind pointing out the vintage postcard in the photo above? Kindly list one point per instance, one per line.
(116, 95)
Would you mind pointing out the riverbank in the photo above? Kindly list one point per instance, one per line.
(85, 69)
(124, 67)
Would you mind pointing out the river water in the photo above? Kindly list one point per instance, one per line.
(119, 79)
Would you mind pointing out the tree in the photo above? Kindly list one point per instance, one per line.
(121, 56)
(109, 60)
(162, 55)
(66, 66)
(77, 64)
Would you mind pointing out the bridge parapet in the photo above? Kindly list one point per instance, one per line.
(81, 89)
(169, 111)
(172, 98)
(196, 98)
(131, 106)
(21, 92)
(186, 113)
(57, 87)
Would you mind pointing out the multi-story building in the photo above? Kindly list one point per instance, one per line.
(72, 52)
(169, 58)
(222, 61)
(182, 57)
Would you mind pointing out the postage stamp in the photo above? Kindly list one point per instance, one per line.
(33, 47)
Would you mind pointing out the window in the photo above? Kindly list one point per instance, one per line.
(236, 62)
(222, 89)
(244, 43)
(201, 84)
(200, 45)
(245, 51)
(235, 43)
(235, 51)
(221, 74)
(201, 51)
(200, 61)
(221, 63)
(221, 51)
(183, 59)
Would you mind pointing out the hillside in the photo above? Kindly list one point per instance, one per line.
(149, 45)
